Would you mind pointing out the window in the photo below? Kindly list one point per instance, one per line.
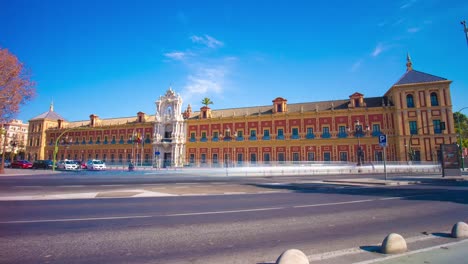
(203, 137)
(325, 132)
(326, 156)
(342, 132)
(343, 156)
(112, 158)
(120, 158)
(409, 101)
(280, 134)
(253, 157)
(266, 157)
(253, 134)
(240, 135)
(192, 158)
(215, 158)
(105, 140)
(215, 136)
(192, 137)
(113, 140)
(104, 157)
(310, 156)
(434, 99)
(437, 127)
(240, 158)
(295, 133)
(376, 130)
(281, 157)
(266, 134)
(310, 133)
(203, 158)
(413, 127)
(295, 157)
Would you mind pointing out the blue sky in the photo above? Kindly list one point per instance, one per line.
(115, 58)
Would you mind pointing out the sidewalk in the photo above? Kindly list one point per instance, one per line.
(26, 172)
(454, 253)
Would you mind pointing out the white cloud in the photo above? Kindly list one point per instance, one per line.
(408, 4)
(207, 41)
(357, 65)
(378, 49)
(177, 55)
(205, 82)
(413, 30)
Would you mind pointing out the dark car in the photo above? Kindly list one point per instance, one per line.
(42, 164)
(7, 164)
(22, 164)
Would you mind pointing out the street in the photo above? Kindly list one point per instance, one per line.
(239, 227)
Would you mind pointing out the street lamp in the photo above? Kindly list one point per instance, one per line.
(359, 132)
(460, 137)
(13, 144)
(465, 29)
(228, 137)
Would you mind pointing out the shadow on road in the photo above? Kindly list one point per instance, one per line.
(416, 192)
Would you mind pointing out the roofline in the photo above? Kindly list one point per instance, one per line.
(415, 84)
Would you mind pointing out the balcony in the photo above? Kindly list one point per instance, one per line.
(266, 137)
(252, 138)
(310, 136)
(342, 135)
(169, 140)
(326, 135)
(295, 137)
(280, 137)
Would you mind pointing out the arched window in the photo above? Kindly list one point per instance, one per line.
(409, 101)
(434, 99)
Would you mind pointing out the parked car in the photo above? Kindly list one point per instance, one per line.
(22, 164)
(7, 164)
(67, 165)
(95, 165)
(42, 164)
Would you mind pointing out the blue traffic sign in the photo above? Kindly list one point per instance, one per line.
(157, 153)
(383, 140)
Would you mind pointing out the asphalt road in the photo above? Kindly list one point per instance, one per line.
(252, 228)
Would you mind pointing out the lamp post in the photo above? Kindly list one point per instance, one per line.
(13, 144)
(228, 137)
(465, 29)
(359, 132)
(460, 136)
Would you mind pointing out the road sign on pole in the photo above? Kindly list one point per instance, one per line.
(383, 140)
(383, 143)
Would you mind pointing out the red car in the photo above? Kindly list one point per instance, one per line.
(22, 164)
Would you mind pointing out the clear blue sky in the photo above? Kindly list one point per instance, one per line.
(115, 58)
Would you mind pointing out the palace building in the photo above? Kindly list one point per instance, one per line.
(415, 114)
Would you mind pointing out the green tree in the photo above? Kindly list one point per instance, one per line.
(206, 101)
(462, 129)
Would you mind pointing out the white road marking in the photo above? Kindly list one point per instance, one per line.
(338, 203)
(229, 212)
(75, 219)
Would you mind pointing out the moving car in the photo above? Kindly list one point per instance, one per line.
(22, 164)
(7, 164)
(67, 165)
(95, 165)
(42, 164)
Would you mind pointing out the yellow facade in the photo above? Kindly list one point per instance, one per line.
(411, 113)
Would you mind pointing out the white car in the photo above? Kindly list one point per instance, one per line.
(67, 165)
(96, 165)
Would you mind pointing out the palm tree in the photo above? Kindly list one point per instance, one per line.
(206, 101)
